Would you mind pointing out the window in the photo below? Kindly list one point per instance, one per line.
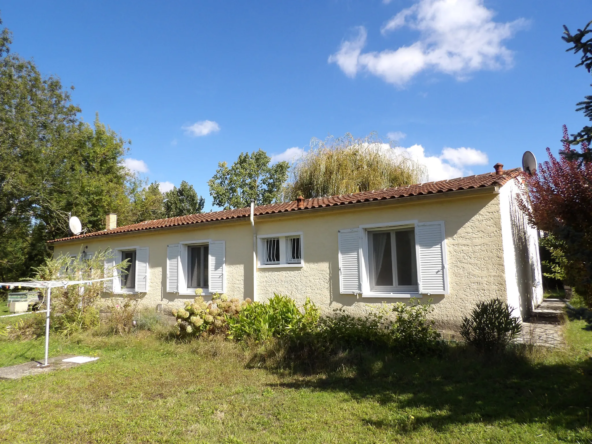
(294, 252)
(128, 275)
(197, 273)
(283, 250)
(392, 261)
(272, 251)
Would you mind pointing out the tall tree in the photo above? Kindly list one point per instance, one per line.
(251, 177)
(581, 42)
(349, 165)
(182, 201)
(51, 164)
(558, 202)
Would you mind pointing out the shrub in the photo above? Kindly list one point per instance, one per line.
(76, 307)
(274, 318)
(200, 318)
(121, 315)
(33, 326)
(400, 329)
(490, 327)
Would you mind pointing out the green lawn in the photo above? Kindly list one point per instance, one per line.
(143, 389)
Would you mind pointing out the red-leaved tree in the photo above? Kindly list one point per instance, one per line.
(559, 201)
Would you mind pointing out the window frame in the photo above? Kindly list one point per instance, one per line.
(366, 273)
(186, 275)
(284, 248)
(118, 259)
(132, 270)
(184, 264)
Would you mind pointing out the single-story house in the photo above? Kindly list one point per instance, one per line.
(454, 242)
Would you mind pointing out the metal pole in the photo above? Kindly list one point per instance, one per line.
(47, 326)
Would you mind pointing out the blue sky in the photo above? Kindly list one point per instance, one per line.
(460, 84)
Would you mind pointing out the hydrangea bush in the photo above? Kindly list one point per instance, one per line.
(201, 318)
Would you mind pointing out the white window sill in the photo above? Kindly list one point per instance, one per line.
(281, 266)
(407, 295)
(126, 292)
(192, 293)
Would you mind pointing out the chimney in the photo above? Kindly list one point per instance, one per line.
(300, 202)
(499, 169)
(111, 221)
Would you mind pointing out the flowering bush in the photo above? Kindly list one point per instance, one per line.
(201, 318)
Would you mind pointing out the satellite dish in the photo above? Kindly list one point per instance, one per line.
(75, 225)
(529, 163)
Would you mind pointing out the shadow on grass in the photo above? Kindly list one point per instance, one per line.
(460, 387)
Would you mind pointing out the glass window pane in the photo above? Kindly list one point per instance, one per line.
(382, 259)
(128, 277)
(273, 251)
(405, 242)
(205, 266)
(294, 253)
(194, 266)
(197, 275)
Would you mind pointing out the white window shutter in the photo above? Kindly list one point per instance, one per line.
(349, 261)
(431, 253)
(117, 273)
(142, 270)
(217, 265)
(172, 283)
(109, 272)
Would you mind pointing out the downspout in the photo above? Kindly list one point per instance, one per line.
(254, 250)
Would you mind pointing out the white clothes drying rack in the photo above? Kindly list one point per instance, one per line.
(48, 285)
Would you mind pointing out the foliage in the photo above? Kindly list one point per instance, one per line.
(75, 308)
(121, 315)
(200, 318)
(51, 164)
(580, 43)
(25, 329)
(182, 201)
(558, 201)
(558, 267)
(490, 327)
(251, 177)
(348, 165)
(401, 329)
(274, 318)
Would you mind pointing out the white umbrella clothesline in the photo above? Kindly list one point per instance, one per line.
(48, 285)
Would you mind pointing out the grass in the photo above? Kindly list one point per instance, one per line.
(144, 389)
(554, 294)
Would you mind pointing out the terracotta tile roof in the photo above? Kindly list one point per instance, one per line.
(443, 186)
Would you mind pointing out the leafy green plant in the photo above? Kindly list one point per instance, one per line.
(491, 326)
(274, 318)
(401, 329)
(75, 308)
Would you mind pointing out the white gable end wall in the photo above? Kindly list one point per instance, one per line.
(521, 255)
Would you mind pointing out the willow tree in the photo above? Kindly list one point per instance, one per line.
(348, 165)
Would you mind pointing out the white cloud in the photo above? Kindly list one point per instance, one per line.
(451, 163)
(165, 186)
(396, 135)
(202, 128)
(349, 53)
(464, 156)
(457, 37)
(135, 165)
(448, 165)
(290, 155)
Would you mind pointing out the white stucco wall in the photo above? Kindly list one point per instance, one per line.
(521, 255)
(475, 253)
